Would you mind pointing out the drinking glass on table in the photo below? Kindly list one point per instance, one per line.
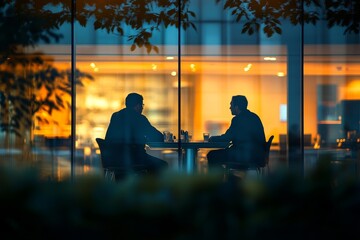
(168, 136)
(189, 137)
(206, 137)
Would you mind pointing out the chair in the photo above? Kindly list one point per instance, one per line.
(113, 162)
(231, 167)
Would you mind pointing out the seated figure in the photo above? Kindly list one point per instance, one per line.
(245, 135)
(129, 130)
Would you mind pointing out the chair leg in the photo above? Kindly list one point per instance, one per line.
(226, 174)
(264, 170)
(109, 175)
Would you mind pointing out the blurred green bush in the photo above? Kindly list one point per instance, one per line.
(323, 205)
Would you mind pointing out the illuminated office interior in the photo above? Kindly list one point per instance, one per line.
(216, 61)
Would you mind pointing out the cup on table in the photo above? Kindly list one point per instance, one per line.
(206, 137)
(189, 137)
(167, 136)
(182, 138)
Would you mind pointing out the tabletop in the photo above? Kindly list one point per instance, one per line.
(194, 144)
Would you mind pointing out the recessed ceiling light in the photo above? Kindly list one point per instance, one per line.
(248, 67)
(280, 74)
(270, 58)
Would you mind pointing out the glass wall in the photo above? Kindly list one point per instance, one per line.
(34, 87)
(118, 68)
(302, 81)
(331, 89)
(218, 62)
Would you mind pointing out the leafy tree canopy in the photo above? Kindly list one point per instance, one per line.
(269, 13)
(35, 20)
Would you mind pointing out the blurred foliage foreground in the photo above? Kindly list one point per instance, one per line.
(323, 205)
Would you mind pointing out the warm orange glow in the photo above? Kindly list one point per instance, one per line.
(87, 151)
(208, 82)
(353, 89)
(86, 168)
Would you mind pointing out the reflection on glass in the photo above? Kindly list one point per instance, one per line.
(34, 89)
(217, 62)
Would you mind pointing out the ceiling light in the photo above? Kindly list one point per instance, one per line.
(270, 58)
(248, 67)
(280, 74)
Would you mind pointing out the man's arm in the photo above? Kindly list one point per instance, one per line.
(222, 138)
(151, 133)
(226, 137)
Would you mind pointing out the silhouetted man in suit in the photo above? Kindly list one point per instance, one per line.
(245, 135)
(132, 129)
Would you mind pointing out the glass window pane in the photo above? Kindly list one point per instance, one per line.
(301, 82)
(35, 119)
(331, 92)
(118, 70)
(219, 61)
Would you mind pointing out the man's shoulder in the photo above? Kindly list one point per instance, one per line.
(143, 117)
(251, 114)
(118, 113)
(126, 112)
(245, 114)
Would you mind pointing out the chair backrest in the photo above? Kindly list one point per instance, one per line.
(267, 149)
(260, 163)
(113, 154)
(105, 152)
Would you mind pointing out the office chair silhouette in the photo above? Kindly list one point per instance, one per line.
(261, 167)
(115, 162)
